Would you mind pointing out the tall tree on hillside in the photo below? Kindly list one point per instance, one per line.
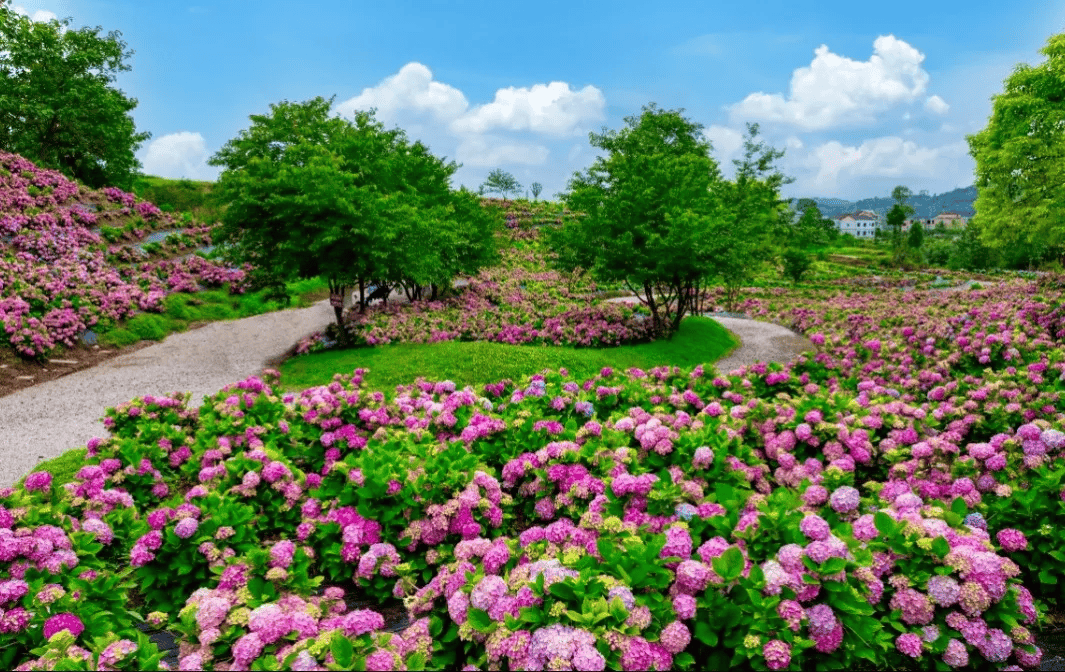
(896, 218)
(742, 243)
(1019, 156)
(57, 105)
(536, 189)
(502, 182)
(313, 195)
(649, 209)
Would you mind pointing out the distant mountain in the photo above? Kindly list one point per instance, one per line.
(959, 201)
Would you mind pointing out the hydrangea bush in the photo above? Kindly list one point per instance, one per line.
(58, 277)
(878, 503)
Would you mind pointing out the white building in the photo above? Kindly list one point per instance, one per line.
(861, 224)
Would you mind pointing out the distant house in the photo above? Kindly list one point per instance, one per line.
(951, 220)
(861, 224)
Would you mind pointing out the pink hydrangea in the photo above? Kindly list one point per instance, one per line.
(1011, 540)
(64, 621)
(777, 654)
(675, 637)
(39, 480)
(909, 644)
(814, 527)
(186, 527)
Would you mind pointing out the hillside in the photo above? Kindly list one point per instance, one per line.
(959, 201)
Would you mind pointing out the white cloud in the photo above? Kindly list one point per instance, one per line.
(726, 143)
(836, 90)
(936, 104)
(552, 109)
(412, 89)
(40, 16)
(179, 155)
(481, 151)
(793, 142)
(841, 168)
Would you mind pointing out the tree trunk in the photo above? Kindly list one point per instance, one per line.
(362, 296)
(432, 296)
(656, 320)
(336, 288)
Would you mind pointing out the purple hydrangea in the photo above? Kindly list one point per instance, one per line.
(186, 527)
(845, 499)
(814, 527)
(822, 620)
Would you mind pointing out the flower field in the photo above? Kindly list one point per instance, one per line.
(894, 501)
(59, 272)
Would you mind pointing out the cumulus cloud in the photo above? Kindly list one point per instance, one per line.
(936, 105)
(835, 165)
(179, 156)
(836, 90)
(412, 89)
(482, 151)
(552, 109)
(40, 16)
(726, 143)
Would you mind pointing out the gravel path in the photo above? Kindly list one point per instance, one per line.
(44, 421)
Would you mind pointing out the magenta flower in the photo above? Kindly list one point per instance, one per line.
(64, 621)
(777, 654)
(39, 480)
(909, 644)
(1011, 540)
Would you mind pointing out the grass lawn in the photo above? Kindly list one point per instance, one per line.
(700, 341)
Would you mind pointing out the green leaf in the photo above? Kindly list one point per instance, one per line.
(959, 507)
(884, 524)
(563, 590)
(479, 620)
(705, 634)
(342, 650)
(833, 566)
(1047, 577)
(940, 546)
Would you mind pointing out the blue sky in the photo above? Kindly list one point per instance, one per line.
(861, 96)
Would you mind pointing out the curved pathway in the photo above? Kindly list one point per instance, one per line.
(44, 421)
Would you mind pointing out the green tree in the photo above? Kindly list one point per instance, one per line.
(1019, 167)
(536, 189)
(916, 237)
(309, 195)
(812, 228)
(502, 182)
(649, 210)
(896, 217)
(742, 243)
(57, 105)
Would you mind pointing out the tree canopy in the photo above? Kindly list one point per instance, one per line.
(57, 105)
(314, 195)
(501, 182)
(1019, 167)
(648, 205)
(757, 216)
